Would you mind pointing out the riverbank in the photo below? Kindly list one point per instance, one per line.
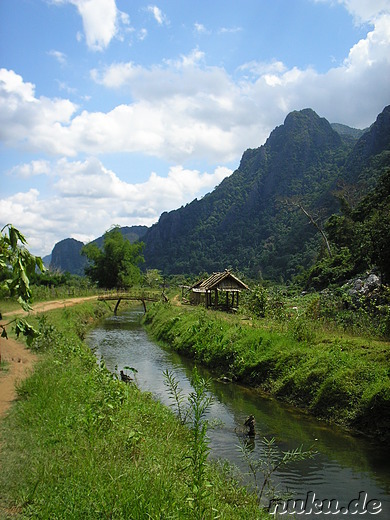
(80, 443)
(19, 361)
(335, 377)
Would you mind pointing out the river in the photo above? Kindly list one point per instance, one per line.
(346, 468)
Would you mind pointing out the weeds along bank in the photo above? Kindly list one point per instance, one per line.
(81, 444)
(341, 379)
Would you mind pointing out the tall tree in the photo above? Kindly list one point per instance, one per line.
(117, 263)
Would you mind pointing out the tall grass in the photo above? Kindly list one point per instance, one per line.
(81, 444)
(336, 377)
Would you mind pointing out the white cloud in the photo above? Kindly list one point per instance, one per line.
(142, 34)
(102, 21)
(183, 109)
(159, 16)
(363, 10)
(199, 28)
(59, 56)
(229, 30)
(27, 120)
(88, 196)
(39, 167)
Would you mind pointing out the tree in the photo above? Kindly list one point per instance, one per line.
(295, 202)
(153, 278)
(116, 264)
(17, 265)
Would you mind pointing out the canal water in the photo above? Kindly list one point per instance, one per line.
(353, 471)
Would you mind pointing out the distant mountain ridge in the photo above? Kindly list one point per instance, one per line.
(348, 133)
(250, 222)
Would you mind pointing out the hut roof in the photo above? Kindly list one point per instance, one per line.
(224, 281)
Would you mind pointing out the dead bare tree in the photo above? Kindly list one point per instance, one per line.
(295, 202)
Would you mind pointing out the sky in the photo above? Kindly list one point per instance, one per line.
(114, 111)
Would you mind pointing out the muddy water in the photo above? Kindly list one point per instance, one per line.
(345, 469)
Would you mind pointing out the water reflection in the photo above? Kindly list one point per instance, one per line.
(345, 465)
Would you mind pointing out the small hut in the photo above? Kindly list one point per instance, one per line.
(220, 290)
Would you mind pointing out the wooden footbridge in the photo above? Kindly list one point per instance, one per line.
(142, 297)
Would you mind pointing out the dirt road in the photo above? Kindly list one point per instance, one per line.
(20, 360)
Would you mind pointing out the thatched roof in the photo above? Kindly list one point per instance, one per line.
(224, 281)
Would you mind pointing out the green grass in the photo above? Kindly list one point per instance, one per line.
(335, 376)
(3, 366)
(81, 444)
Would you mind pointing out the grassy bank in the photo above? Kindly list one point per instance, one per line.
(81, 444)
(339, 378)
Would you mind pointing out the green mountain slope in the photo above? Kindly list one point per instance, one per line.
(245, 222)
(251, 222)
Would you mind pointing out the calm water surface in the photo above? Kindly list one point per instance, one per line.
(344, 466)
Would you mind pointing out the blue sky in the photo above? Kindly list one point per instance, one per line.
(113, 111)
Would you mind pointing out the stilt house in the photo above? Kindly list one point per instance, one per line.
(220, 290)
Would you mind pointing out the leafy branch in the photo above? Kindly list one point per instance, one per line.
(17, 265)
(273, 460)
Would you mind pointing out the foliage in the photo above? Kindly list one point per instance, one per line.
(116, 265)
(273, 460)
(360, 237)
(257, 301)
(82, 444)
(176, 394)
(153, 278)
(199, 403)
(17, 265)
(302, 358)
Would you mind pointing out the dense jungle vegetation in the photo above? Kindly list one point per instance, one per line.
(308, 350)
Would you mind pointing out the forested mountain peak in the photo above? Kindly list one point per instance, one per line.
(377, 138)
(371, 154)
(306, 127)
(242, 223)
(253, 221)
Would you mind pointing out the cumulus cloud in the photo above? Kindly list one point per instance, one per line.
(28, 120)
(363, 10)
(32, 169)
(88, 196)
(102, 21)
(183, 109)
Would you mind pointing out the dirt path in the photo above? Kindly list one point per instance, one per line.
(20, 360)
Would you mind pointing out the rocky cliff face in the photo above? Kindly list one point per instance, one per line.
(66, 257)
(243, 223)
